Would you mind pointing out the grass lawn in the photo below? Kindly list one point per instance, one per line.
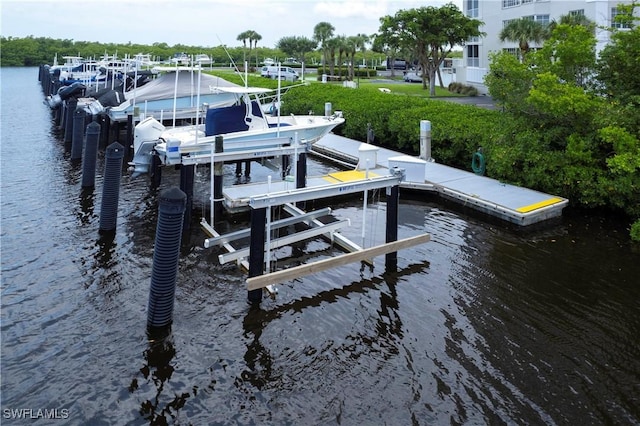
(399, 86)
(395, 85)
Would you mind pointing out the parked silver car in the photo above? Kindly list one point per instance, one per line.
(413, 77)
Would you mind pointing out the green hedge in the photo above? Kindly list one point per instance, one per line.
(457, 130)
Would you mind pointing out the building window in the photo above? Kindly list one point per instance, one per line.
(579, 12)
(513, 51)
(527, 1)
(618, 24)
(473, 55)
(472, 8)
(541, 19)
(510, 3)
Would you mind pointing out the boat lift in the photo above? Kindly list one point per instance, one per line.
(254, 257)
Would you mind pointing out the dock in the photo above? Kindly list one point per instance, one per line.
(511, 203)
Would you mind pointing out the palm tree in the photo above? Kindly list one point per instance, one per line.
(243, 37)
(322, 32)
(357, 42)
(256, 38)
(573, 19)
(523, 31)
(342, 47)
(253, 38)
(331, 45)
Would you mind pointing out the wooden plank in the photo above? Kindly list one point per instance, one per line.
(261, 281)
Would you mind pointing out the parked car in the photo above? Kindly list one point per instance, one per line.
(412, 77)
(286, 73)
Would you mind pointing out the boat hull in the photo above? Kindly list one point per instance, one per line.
(181, 144)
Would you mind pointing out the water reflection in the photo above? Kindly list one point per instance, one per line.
(87, 200)
(158, 370)
(106, 245)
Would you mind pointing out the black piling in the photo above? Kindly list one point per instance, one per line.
(114, 131)
(217, 179)
(256, 251)
(103, 120)
(165, 257)
(155, 174)
(90, 155)
(391, 234)
(111, 187)
(187, 174)
(301, 176)
(129, 139)
(106, 136)
(57, 116)
(71, 105)
(77, 138)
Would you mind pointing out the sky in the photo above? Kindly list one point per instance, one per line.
(206, 23)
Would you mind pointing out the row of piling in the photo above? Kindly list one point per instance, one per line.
(84, 134)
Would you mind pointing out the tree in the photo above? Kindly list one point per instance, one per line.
(431, 33)
(322, 32)
(256, 38)
(509, 81)
(617, 70)
(331, 45)
(387, 40)
(573, 19)
(355, 43)
(569, 53)
(253, 37)
(523, 31)
(296, 46)
(243, 37)
(342, 47)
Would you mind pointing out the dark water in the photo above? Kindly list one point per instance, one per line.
(485, 324)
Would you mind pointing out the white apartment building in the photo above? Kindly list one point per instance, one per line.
(496, 13)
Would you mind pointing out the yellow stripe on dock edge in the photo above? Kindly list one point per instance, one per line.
(536, 206)
(348, 176)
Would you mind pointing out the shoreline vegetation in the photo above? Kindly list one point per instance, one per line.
(551, 131)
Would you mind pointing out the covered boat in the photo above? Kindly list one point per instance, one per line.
(177, 92)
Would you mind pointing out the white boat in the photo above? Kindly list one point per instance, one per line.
(242, 126)
(75, 69)
(202, 59)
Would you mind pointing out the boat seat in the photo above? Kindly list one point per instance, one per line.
(225, 120)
